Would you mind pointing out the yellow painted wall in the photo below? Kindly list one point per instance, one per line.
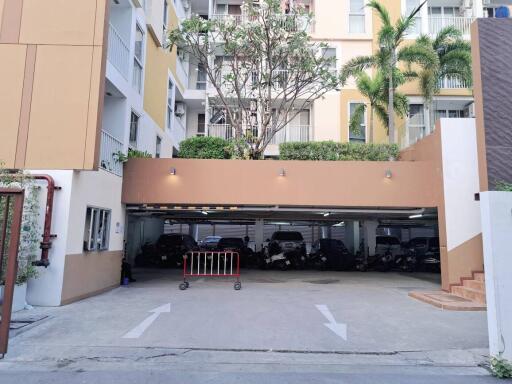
(157, 66)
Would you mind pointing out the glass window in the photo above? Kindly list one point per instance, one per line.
(356, 17)
(158, 146)
(201, 124)
(411, 5)
(138, 59)
(330, 53)
(170, 104)
(97, 229)
(134, 130)
(201, 77)
(360, 136)
(416, 122)
(166, 13)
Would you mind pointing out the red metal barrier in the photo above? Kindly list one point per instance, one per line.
(211, 264)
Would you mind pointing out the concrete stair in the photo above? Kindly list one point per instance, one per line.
(471, 289)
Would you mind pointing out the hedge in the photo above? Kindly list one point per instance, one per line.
(330, 150)
(204, 147)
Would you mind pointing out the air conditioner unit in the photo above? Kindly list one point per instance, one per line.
(467, 4)
(486, 2)
(186, 5)
(179, 110)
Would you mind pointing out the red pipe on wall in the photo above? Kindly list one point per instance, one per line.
(47, 236)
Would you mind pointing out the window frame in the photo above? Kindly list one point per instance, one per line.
(365, 121)
(97, 228)
(424, 125)
(356, 13)
(138, 77)
(170, 104)
(136, 141)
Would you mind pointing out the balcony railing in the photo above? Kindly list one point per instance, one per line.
(178, 131)
(287, 21)
(224, 131)
(452, 82)
(437, 23)
(292, 133)
(110, 147)
(118, 52)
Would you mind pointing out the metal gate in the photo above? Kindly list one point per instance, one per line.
(11, 208)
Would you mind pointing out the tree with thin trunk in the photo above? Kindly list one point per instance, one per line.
(454, 55)
(262, 67)
(394, 59)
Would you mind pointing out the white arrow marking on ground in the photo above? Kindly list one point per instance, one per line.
(338, 328)
(136, 332)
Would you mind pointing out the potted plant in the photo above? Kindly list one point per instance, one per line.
(29, 236)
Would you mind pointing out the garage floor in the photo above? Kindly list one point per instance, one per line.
(285, 311)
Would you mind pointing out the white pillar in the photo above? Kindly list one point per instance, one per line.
(370, 234)
(496, 210)
(258, 235)
(326, 231)
(478, 8)
(193, 230)
(352, 236)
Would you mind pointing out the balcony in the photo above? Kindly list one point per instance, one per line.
(293, 133)
(118, 52)
(224, 131)
(110, 147)
(289, 23)
(452, 82)
(463, 24)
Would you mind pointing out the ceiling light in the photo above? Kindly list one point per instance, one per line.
(340, 224)
(416, 216)
(172, 171)
(204, 212)
(326, 214)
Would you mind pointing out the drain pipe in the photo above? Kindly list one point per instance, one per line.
(47, 236)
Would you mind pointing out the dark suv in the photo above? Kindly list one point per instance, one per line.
(425, 252)
(236, 244)
(330, 254)
(170, 249)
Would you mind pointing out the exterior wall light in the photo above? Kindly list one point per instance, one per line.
(282, 172)
(388, 174)
(172, 171)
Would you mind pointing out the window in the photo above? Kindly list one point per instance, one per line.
(165, 21)
(357, 137)
(201, 131)
(134, 130)
(356, 17)
(138, 59)
(158, 146)
(416, 123)
(330, 53)
(411, 5)
(201, 77)
(170, 104)
(97, 229)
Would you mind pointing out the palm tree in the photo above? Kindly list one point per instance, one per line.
(454, 55)
(391, 55)
(374, 89)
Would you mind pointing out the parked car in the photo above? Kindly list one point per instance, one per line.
(388, 244)
(170, 249)
(237, 244)
(209, 243)
(285, 249)
(423, 253)
(330, 254)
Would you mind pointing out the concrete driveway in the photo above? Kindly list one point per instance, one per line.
(293, 311)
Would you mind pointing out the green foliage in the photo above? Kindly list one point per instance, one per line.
(204, 147)
(121, 157)
(31, 230)
(501, 368)
(330, 150)
(503, 186)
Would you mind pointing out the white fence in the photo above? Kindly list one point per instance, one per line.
(118, 52)
(110, 147)
(452, 82)
(437, 23)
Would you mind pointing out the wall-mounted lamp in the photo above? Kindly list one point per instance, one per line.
(282, 172)
(416, 216)
(388, 174)
(172, 171)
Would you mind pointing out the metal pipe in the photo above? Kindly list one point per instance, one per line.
(46, 244)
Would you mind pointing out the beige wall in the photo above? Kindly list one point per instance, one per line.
(87, 274)
(347, 183)
(52, 88)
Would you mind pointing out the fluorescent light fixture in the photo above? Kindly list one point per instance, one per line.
(204, 212)
(326, 214)
(388, 174)
(340, 224)
(172, 171)
(416, 216)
